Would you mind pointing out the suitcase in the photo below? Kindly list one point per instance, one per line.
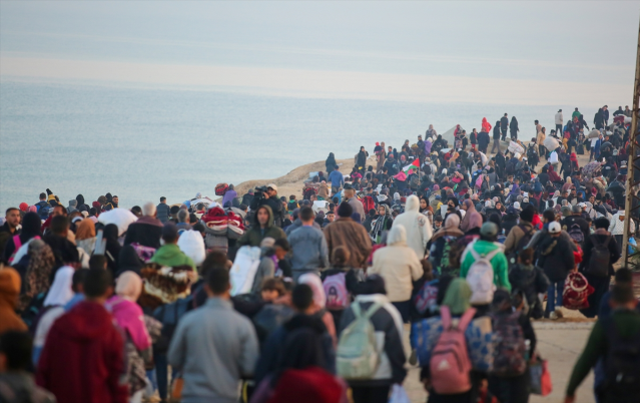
(580, 149)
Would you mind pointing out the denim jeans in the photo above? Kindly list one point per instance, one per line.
(554, 296)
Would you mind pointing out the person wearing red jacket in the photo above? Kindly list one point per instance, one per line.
(83, 356)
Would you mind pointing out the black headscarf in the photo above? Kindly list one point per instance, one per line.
(31, 225)
(128, 260)
(110, 234)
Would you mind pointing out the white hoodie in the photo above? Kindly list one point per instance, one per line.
(417, 225)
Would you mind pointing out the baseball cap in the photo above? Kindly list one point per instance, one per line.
(272, 186)
(554, 227)
(489, 229)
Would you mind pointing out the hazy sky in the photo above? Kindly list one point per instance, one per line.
(482, 52)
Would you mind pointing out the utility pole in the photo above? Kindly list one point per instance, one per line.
(632, 203)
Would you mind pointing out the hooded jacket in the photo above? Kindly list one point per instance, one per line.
(170, 255)
(353, 236)
(83, 360)
(515, 235)
(397, 264)
(255, 235)
(417, 226)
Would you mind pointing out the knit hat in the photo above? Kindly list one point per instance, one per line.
(345, 210)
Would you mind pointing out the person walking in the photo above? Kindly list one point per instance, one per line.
(147, 231)
(170, 254)
(559, 119)
(504, 125)
(399, 266)
(387, 325)
(262, 227)
(82, 360)
(601, 252)
(557, 260)
(349, 234)
(513, 128)
(496, 137)
(309, 247)
(418, 227)
(337, 179)
(213, 358)
(614, 340)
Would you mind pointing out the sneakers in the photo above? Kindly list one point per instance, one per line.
(557, 314)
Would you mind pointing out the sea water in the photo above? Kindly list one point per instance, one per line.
(141, 143)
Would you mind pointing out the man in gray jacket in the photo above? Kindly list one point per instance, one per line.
(309, 247)
(214, 346)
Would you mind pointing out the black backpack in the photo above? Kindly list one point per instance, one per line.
(524, 241)
(621, 366)
(598, 264)
(169, 315)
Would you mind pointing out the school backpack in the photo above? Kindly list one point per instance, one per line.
(426, 298)
(169, 315)
(599, 262)
(357, 355)
(621, 365)
(510, 349)
(480, 277)
(450, 364)
(335, 288)
(576, 233)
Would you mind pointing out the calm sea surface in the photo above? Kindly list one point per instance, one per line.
(143, 143)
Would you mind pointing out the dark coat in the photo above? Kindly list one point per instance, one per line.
(162, 212)
(555, 257)
(146, 231)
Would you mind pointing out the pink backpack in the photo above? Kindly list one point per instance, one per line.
(450, 363)
(335, 288)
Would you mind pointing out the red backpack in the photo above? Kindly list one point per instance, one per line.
(450, 364)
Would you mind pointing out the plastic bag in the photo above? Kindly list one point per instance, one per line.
(398, 394)
(540, 378)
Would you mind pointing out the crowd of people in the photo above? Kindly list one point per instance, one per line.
(264, 298)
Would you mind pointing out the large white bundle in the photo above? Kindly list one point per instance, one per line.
(551, 143)
(594, 134)
(515, 148)
(244, 269)
(192, 244)
(120, 217)
(320, 205)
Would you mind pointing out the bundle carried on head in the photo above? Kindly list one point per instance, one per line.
(163, 285)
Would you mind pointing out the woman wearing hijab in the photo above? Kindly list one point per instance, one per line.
(441, 243)
(319, 301)
(472, 219)
(381, 224)
(37, 278)
(553, 175)
(129, 317)
(86, 235)
(57, 297)
(112, 252)
(31, 225)
(330, 163)
(513, 128)
(425, 335)
(128, 260)
(9, 292)
(361, 160)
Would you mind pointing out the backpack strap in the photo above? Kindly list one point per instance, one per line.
(356, 310)
(492, 254)
(445, 316)
(372, 309)
(466, 319)
(17, 242)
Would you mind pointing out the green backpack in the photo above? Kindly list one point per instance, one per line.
(357, 356)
